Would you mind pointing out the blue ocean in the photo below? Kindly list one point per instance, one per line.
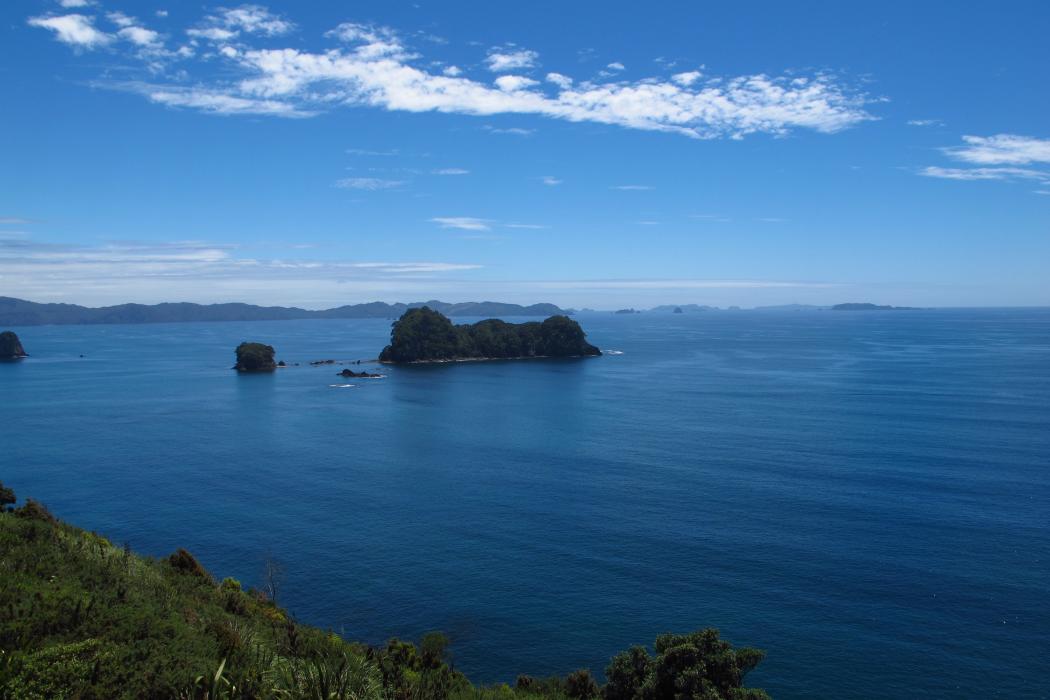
(864, 495)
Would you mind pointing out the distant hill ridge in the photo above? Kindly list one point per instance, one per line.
(19, 312)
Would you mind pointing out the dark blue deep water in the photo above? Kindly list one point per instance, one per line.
(864, 495)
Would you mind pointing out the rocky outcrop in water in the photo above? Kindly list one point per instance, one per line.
(255, 357)
(11, 347)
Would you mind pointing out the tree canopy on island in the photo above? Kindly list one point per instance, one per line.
(425, 335)
(255, 357)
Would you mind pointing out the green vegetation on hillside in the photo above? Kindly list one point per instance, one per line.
(425, 335)
(83, 618)
(255, 357)
(10, 346)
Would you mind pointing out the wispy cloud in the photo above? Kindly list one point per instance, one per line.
(513, 130)
(76, 30)
(998, 158)
(983, 173)
(450, 171)
(371, 184)
(1001, 149)
(465, 223)
(550, 180)
(366, 152)
(414, 267)
(248, 19)
(632, 188)
(197, 270)
(13, 221)
(505, 59)
(925, 122)
(372, 67)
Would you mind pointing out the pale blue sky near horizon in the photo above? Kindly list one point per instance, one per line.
(586, 154)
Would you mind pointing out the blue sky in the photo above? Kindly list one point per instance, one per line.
(588, 154)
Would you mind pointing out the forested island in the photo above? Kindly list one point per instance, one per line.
(11, 347)
(426, 335)
(255, 357)
(85, 618)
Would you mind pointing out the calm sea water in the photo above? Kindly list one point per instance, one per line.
(864, 495)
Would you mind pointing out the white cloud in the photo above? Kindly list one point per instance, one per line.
(214, 102)
(983, 173)
(513, 130)
(75, 30)
(372, 184)
(373, 68)
(550, 180)
(120, 19)
(688, 78)
(140, 36)
(616, 65)
(501, 60)
(249, 19)
(1002, 149)
(465, 223)
(70, 4)
(256, 19)
(925, 122)
(632, 188)
(212, 33)
(998, 157)
(562, 81)
(161, 13)
(450, 171)
(451, 71)
(510, 83)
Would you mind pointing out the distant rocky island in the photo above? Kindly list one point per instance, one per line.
(425, 335)
(11, 347)
(627, 311)
(255, 357)
(871, 307)
(683, 308)
(19, 312)
(351, 374)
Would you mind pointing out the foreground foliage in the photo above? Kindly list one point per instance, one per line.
(83, 618)
(425, 335)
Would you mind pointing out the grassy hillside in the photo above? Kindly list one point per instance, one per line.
(83, 618)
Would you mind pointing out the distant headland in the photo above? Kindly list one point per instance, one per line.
(425, 335)
(865, 306)
(19, 312)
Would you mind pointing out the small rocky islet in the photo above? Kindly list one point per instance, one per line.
(11, 347)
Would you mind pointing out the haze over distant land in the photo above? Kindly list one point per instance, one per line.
(18, 312)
